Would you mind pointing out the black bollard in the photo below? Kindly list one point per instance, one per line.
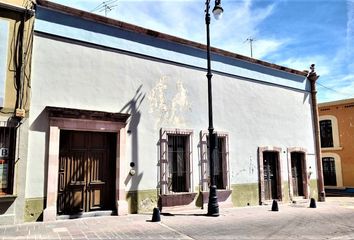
(156, 215)
(313, 203)
(275, 206)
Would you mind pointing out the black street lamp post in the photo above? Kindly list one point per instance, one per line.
(213, 206)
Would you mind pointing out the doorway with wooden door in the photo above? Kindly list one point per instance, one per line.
(298, 171)
(271, 173)
(86, 177)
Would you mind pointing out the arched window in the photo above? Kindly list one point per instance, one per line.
(332, 169)
(326, 133)
(329, 132)
(329, 171)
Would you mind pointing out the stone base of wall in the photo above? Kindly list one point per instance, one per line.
(285, 192)
(245, 194)
(248, 194)
(313, 189)
(145, 201)
(34, 209)
(142, 201)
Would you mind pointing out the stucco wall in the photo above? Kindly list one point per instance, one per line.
(9, 27)
(160, 94)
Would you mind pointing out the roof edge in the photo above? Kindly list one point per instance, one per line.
(16, 8)
(163, 36)
(338, 102)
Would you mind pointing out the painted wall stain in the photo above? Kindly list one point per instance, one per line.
(169, 102)
(251, 167)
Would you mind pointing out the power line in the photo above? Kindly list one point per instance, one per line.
(106, 6)
(333, 90)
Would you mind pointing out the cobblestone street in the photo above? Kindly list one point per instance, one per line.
(333, 219)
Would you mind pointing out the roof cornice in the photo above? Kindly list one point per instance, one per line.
(16, 8)
(133, 28)
(339, 102)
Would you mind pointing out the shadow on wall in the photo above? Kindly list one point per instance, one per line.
(132, 107)
(40, 124)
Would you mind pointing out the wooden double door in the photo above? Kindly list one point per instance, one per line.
(86, 178)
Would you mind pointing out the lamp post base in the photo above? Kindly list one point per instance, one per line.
(213, 206)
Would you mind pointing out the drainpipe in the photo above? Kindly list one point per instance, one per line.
(312, 76)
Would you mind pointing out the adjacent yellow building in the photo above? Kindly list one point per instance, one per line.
(16, 34)
(337, 138)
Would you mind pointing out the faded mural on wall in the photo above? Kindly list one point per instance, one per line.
(169, 102)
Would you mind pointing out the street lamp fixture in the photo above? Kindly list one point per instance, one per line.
(217, 10)
(213, 206)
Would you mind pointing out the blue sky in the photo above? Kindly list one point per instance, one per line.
(293, 33)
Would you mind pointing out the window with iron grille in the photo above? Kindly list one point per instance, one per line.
(219, 164)
(221, 167)
(7, 158)
(175, 161)
(329, 171)
(326, 133)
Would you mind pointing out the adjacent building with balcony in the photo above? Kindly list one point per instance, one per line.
(337, 137)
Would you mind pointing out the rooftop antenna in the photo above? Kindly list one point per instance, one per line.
(250, 39)
(105, 6)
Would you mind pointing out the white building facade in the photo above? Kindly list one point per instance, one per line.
(119, 119)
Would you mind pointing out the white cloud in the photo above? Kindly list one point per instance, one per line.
(336, 91)
(264, 47)
(241, 22)
(333, 84)
(303, 63)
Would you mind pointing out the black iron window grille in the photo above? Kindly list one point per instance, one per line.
(177, 163)
(220, 164)
(329, 171)
(326, 133)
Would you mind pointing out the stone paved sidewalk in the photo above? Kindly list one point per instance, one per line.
(333, 219)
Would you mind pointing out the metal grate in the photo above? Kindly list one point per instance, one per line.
(329, 171)
(177, 162)
(326, 133)
(7, 154)
(219, 164)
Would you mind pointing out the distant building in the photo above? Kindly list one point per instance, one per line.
(119, 117)
(337, 138)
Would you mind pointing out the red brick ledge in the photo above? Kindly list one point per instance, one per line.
(223, 195)
(178, 199)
